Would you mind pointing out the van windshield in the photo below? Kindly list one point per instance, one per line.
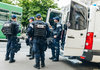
(78, 17)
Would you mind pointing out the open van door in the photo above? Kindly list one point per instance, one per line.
(76, 33)
(51, 14)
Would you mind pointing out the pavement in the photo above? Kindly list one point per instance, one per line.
(23, 62)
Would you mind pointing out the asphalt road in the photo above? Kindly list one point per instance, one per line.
(23, 62)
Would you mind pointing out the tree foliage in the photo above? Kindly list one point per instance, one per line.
(32, 7)
(6, 1)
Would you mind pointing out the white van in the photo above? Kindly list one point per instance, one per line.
(83, 34)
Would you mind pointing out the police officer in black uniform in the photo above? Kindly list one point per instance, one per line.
(11, 34)
(29, 40)
(56, 38)
(41, 32)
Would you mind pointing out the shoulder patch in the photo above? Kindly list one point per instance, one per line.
(31, 25)
(58, 25)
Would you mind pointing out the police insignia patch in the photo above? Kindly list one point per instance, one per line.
(31, 25)
(40, 26)
(58, 25)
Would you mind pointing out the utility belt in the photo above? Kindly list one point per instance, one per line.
(11, 36)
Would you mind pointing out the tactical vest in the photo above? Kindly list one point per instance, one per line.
(9, 28)
(39, 29)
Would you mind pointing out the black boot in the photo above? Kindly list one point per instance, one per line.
(6, 59)
(37, 66)
(42, 64)
(51, 58)
(55, 60)
(12, 61)
(28, 55)
(31, 58)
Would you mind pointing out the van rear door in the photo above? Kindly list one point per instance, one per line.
(51, 14)
(76, 33)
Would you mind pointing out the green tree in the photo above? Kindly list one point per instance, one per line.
(6, 1)
(0, 0)
(32, 7)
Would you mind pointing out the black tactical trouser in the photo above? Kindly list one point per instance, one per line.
(39, 49)
(10, 48)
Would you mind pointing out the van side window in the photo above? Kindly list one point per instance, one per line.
(78, 17)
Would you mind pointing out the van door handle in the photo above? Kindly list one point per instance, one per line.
(81, 34)
(71, 37)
